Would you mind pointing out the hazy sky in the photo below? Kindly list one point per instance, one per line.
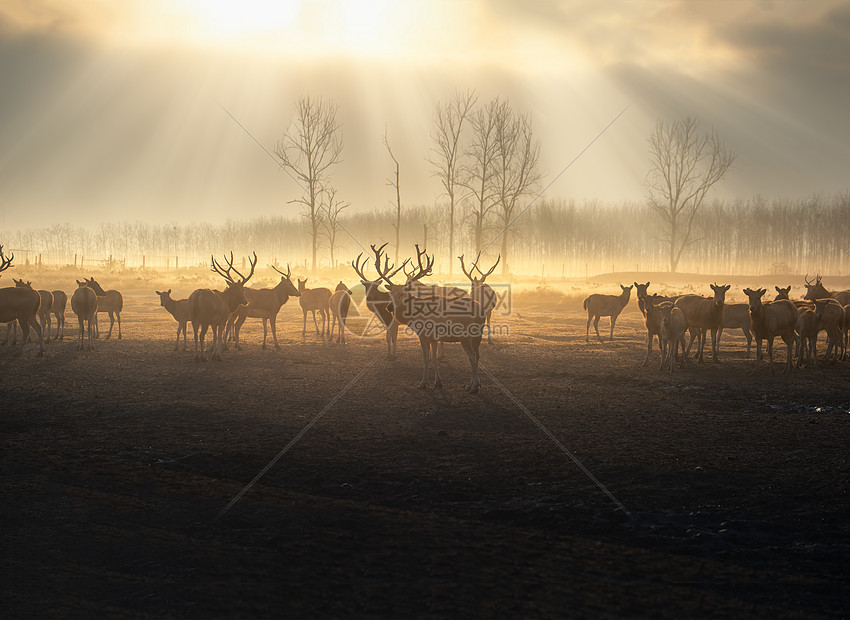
(113, 110)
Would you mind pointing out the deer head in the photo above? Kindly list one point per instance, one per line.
(816, 290)
(286, 282)
(386, 272)
(234, 290)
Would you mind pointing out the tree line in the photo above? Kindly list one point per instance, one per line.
(554, 237)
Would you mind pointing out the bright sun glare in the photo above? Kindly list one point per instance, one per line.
(360, 26)
(220, 17)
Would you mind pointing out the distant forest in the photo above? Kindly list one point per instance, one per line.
(552, 238)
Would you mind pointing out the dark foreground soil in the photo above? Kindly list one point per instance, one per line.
(728, 492)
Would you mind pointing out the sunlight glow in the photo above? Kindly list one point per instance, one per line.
(225, 17)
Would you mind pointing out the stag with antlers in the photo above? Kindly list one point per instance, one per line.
(264, 303)
(479, 291)
(379, 303)
(434, 318)
(209, 308)
(20, 304)
(816, 290)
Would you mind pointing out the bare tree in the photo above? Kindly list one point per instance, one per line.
(479, 172)
(395, 184)
(310, 147)
(684, 165)
(331, 226)
(447, 151)
(515, 171)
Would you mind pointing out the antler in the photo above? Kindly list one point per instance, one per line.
(806, 278)
(468, 274)
(285, 275)
(489, 271)
(360, 269)
(383, 272)
(225, 273)
(5, 263)
(421, 270)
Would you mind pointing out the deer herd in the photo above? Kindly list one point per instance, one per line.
(441, 314)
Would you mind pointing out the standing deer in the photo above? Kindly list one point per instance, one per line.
(379, 303)
(479, 291)
(816, 290)
(598, 306)
(21, 305)
(264, 303)
(704, 314)
(179, 309)
(43, 309)
(807, 327)
(60, 302)
(673, 327)
(209, 308)
(108, 301)
(652, 311)
(736, 315)
(311, 300)
(339, 304)
(776, 318)
(434, 318)
(84, 304)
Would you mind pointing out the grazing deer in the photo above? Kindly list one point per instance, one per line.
(108, 301)
(179, 309)
(209, 308)
(311, 300)
(807, 328)
(598, 306)
(479, 291)
(704, 314)
(84, 304)
(21, 305)
(653, 314)
(60, 302)
(673, 328)
(339, 304)
(263, 303)
(817, 290)
(736, 315)
(379, 303)
(434, 318)
(768, 320)
(43, 309)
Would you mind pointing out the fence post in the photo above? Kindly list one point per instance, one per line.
(176, 262)
(75, 260)
(143, 261)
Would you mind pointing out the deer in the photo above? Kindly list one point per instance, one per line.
(179, 309)
(816, 290)
(704, 314)
(311, 300)
(379, 303)
(21, 305)
(807, 328)
(211, 309)
(84, 304)
(339, 304)
(768, 320)
(642, 294)
(479, 291)
(782, 293)
(846, 332)
(673, 327)
(598, 306)
(111, 302)
(60, 302)
(832, 321)
(653, 314)
(434, 318)
(736, 315)
(264, 303)
(43, 309)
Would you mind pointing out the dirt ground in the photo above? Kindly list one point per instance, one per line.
(728, 492)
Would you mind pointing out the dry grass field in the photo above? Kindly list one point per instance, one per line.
(397, 502)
